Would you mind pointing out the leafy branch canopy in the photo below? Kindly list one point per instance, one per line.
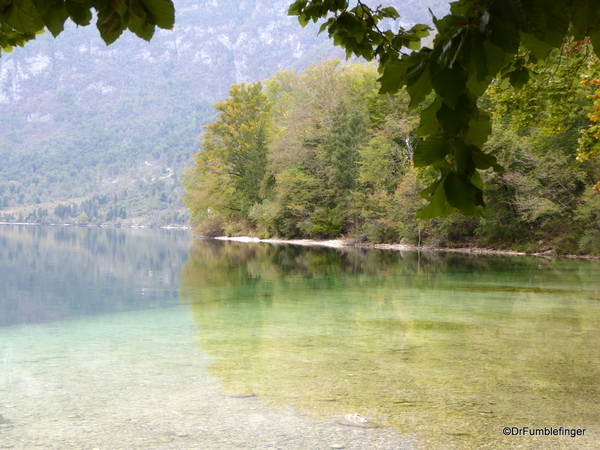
(477, 42)
(22, 20)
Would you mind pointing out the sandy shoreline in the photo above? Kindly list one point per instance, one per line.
(338, 243)
(341, 243)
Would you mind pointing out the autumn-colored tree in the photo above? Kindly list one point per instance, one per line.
(228, 172)
(589, 143)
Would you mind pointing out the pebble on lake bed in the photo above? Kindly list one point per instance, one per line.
(355, 418)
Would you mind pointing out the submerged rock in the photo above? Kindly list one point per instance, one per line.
(355, 420)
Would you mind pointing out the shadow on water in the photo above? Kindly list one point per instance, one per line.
(449, 347)
(51, 273)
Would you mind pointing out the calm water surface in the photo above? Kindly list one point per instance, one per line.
(144, 339)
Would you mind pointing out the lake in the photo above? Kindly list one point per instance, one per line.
(149, 339)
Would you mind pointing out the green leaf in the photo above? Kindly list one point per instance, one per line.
(141, 28)
(324, 26)
(392, 78)
(390, 12)
(110, 25)
(584, 16)
(428, 192)
(474, 52)
(41, 6)
(428, 123)
(463, 163)
(421, 31)
(479, 51)
(484, 161)
(414, 45)
(438, 206)
(479, 130)
(163, 12)
(296, 7)
(450, 122)
(429, 151)
(450, 83)
(539, 48)
(303, 19)
(78, 13)
(595, 40)
(478, 88)
(55, 20)
(463, 195)
(477, 181)
(121, 7)
(19, 16)
(418, 84)
(556, 23)
(502, 30)
(453, 120)
(362, 10)
(351, 26)
(495, 58)
(519, 77)
(459, 8)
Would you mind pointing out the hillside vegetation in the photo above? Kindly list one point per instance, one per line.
(320, 154)
(108, 131)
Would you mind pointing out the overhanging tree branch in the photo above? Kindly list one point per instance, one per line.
(22, 20)
(477, 42)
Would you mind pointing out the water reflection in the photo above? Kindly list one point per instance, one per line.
(50, 273)
(450, 347)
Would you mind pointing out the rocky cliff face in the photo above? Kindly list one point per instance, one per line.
(215, 43)
(76, 112)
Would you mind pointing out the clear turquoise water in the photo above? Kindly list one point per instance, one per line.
(450, 348)
(140, 339)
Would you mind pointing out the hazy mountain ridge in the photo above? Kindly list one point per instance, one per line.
(77, 113)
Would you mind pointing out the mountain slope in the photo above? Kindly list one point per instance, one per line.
(117, 125)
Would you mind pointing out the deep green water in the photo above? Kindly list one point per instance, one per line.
(436, 351)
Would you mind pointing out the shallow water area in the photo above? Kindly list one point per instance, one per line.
(450, 349)
(120, 366)
(139, 339)
(138, 380)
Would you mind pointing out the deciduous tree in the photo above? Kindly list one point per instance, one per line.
(477, 42)
(228, 173)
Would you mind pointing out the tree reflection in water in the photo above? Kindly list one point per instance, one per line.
(451, 347)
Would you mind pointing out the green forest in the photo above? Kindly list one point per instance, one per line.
(321, 154)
